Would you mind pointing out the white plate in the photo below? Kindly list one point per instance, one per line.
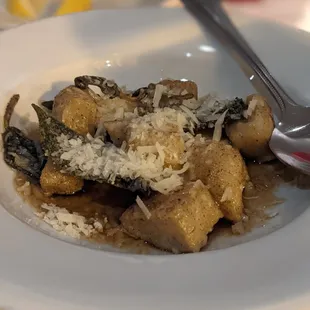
(135, 47)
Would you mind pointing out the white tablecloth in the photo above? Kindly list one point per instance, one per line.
(295, 13)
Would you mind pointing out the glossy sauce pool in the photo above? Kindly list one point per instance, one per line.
(105, 202)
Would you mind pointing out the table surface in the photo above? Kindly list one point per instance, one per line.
(295, 13)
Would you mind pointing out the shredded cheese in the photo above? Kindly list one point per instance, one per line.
(161, 153)
(110, 110)
(143, 208)
(25, 189)
(164, 186)
(70, 224)
(190, 114)
(124, 146)
(159, 90)
(217, 134)
(227, 195)
(100, 130)
(252, 105)
(183, 170)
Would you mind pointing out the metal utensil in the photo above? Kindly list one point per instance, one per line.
(290, 139)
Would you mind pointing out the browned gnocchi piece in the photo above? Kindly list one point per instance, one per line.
(76, 109)
(251, 136)
(221, 167)
(189, 86)
(172, 144)
(178, 222)
(52, 181)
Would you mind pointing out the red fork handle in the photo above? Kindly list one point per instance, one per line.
(301, 156)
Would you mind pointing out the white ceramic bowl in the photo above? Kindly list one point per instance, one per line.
(135, 47)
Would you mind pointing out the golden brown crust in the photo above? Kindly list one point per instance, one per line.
(252, 136)
(76, 109)
(179, 221)
(53, 181)
(172, 143)
(221, 167)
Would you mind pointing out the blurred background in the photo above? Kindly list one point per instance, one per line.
(295, 13)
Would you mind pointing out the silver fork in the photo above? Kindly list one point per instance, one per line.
(290, 140)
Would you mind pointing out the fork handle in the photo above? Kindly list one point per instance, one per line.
(214, 19)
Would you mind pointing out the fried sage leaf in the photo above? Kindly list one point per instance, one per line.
(48, 104)
(20, 152)
(169, 98)
(107, 87)
(212, 108)
(86, 157)
(9, 110)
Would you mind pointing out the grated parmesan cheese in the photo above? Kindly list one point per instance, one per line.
(217, 134)
(124, 146)
(25, 189)
(159, 90)
(70, 224)
(95, 160)
(190, 114)
(101, 131)
(164, 186)
(165, 120)
(252, 105)
(109, 110)
(143, 208)
(227, 195)
(161, 153)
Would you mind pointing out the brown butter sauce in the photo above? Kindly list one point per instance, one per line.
(97, 201)
(259, 197)
(101, 201)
